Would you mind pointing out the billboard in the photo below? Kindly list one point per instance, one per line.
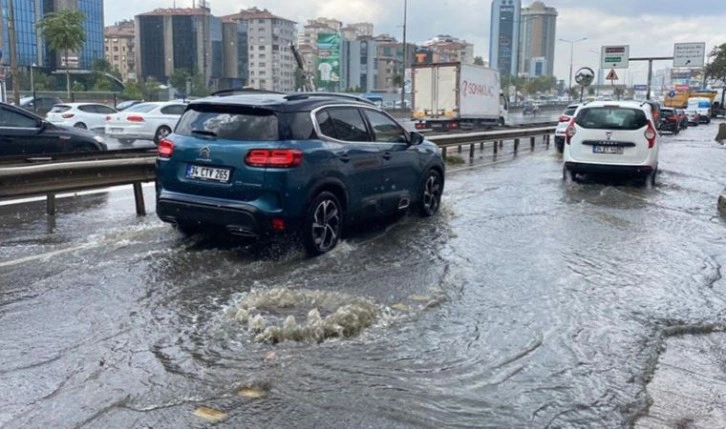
(692, 78)
(328, 66)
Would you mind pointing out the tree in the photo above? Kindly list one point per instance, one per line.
(132, 91)
(179, 80)
(479, 61)
(63, 31)
(716, 68)
(199, 89)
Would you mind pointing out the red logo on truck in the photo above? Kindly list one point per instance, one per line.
(477, 89)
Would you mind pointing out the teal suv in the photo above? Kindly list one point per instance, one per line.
(261, 164)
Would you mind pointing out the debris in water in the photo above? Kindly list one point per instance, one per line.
(251, 392)
(270, 357)
(401, 307)
(419, 298)
(272, 315)
(210, 414)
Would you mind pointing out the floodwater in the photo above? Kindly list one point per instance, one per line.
(527, 302)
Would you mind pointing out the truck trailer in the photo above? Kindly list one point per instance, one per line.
(450, 96)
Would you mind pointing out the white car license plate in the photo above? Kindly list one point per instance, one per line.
(208, 173)
(616, 150)
(116, 130)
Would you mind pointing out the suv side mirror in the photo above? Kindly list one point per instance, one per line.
(416, 138)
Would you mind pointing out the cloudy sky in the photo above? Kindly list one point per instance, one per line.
(649, 27)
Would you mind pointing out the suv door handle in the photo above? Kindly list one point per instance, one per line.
(387, 156)
(344, 156)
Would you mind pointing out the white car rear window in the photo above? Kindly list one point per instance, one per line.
(611, 118)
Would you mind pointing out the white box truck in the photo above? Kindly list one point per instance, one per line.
(450, 96)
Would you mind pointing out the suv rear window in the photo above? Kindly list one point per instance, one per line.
(616, 118)
(237, 123)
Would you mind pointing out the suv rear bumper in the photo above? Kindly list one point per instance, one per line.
(584, 168)
(242, 220)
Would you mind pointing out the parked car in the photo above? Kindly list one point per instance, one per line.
(145, 121)
(694, 118)
(612, 137)
(40, 105)
(669, 121)
(562, 124)
(25, 134)
(91, 116)
(126, 104)
(259, 165)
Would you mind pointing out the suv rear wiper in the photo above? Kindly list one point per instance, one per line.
(205, 133)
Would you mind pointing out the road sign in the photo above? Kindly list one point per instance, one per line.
(612, 75)
(689, 54)
(671, 93)
(614, 57)
(640, 87)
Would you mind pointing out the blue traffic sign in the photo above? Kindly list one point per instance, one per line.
(671, 93)
(640, 87)
(1, 54)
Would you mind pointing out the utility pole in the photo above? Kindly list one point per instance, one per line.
(13, 53)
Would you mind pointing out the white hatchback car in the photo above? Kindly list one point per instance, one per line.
(612, 137)
(562, 124)
(145, 121)
(90, 116)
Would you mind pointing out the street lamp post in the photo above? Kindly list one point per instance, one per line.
(572, 48)
(403, 78)
(32, 86)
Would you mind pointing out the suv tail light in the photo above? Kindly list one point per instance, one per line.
(165, 149)
(571, 131)
(650, 134)
(67, 115)
(135, 118)
(564, 118)
(276, 158)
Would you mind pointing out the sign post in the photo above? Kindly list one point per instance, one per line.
(584, 77)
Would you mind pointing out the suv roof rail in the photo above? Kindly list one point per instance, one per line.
(232, 91)
(305, 95)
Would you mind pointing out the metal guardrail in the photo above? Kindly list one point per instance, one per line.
(77, 172)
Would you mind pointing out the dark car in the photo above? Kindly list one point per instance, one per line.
(40, 105)
(669, 121)
(23, 133)
(260, 165)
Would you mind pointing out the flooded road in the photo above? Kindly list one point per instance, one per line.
(526, 303)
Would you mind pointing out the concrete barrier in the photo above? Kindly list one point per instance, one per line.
(721, 135)
(722, 202)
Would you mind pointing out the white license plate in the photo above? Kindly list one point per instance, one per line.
(208, 173)
(617, 150)
(116, 130)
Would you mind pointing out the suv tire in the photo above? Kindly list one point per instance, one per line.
(430, 197)
(323, 224)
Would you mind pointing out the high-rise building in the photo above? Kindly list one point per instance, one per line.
(389, 62)
(537, 37)
(269, 37)
(447, 49)
(359, 64)
(504, 36)
(174, 39)
(29, 42)
(360, 29)
(120, 43)
(236, 58)
(30, 46)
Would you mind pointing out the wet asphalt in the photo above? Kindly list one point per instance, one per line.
(526, 302)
